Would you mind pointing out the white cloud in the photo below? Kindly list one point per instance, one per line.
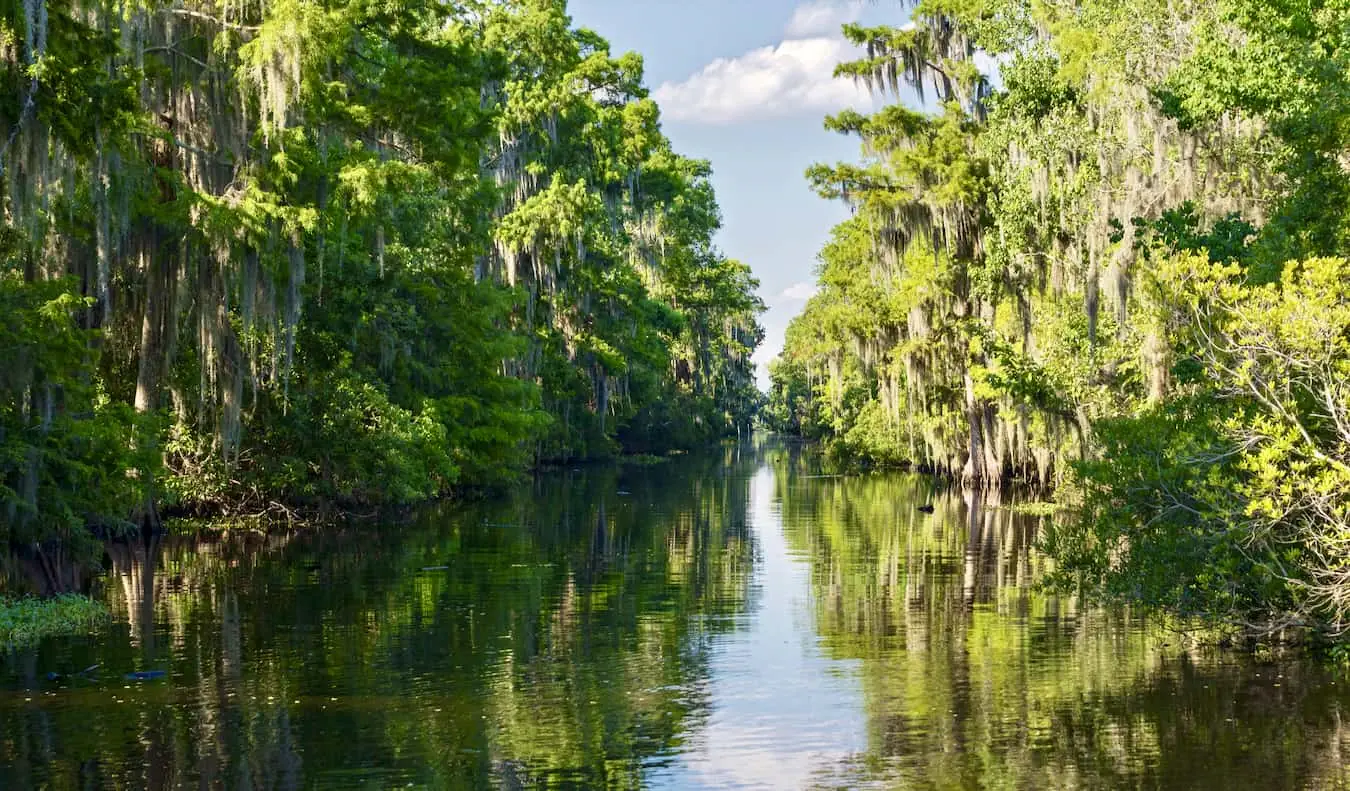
(821, 17)
(792, 78)
(799, 292)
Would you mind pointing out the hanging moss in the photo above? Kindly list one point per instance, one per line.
(345, 252)
(1010, 228)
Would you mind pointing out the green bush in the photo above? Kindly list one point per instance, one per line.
(1229, 501)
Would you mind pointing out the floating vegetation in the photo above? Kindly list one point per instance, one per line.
(26, 621)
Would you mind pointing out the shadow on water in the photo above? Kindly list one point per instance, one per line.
(608, 627)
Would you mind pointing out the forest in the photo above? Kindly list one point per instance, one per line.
(258, 259)
(263, 256)
(1101, 248)
(380, 404)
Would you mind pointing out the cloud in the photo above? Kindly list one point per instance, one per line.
(795, 77)
(821, 17)
(799, 292)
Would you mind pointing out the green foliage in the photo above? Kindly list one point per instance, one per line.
(1286, 64)
(1228, 503)
(357, 252)
(1118, 268)
(69, 456)
(24, 622)
(1153, 522)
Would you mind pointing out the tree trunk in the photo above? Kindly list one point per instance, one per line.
(158, 279)
(974, 469)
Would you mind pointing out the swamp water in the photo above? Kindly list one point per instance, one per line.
(731, 620)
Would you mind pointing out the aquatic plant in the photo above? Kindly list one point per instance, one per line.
(25, 621)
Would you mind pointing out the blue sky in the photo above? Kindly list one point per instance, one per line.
(746, 84)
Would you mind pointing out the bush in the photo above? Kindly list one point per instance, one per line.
(1230, 500)
(69, 455)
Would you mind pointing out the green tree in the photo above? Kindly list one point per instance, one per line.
(1085, 268)
(353, 251)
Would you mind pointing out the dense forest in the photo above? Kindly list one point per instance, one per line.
(1104, 254)
(259, 254)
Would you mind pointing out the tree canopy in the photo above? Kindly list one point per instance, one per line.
(353, 250)
(1106, 253)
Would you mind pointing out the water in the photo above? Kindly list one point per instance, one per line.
(735, 620)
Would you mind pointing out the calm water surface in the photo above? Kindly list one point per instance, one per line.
(736, 620)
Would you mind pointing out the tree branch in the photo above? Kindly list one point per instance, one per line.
(187, 12)
(179, 53)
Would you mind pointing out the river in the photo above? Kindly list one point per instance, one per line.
(738, 619)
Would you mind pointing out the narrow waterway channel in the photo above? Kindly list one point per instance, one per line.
(740, 619)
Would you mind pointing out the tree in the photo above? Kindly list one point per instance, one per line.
(356, 251)
(1083, 269)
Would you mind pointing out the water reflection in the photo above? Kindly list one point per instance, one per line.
(742, 619)
(972, 678)
(557, 638)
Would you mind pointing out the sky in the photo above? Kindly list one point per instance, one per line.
(746, 84)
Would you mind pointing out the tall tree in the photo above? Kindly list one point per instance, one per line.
(348, 249)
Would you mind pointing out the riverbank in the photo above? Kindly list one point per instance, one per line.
(55, 568)
(264, 509)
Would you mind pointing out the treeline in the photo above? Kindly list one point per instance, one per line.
(303, 250)
(1106, 255)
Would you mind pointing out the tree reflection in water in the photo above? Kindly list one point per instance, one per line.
(974, 678)
(556, 638)
(577, 634)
